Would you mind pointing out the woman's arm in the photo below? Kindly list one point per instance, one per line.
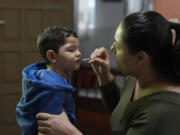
(101, 65)
(56, 124)
(111, 95)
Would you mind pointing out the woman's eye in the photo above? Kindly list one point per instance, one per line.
(118, 47)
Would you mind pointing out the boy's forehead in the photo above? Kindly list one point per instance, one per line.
(71, 37)
(70, 41)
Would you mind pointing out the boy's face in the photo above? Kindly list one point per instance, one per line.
(68, 57)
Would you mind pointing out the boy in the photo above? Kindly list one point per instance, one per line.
(46, 86)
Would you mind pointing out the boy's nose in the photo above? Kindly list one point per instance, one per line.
(78, 53)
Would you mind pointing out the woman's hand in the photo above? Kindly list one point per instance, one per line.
(56, 124)
(101, 65)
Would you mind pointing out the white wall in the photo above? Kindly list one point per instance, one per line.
(108, 15)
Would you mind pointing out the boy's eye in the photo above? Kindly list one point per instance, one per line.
(71, 49)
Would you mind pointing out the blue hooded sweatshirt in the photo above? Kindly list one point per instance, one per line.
(43, 91)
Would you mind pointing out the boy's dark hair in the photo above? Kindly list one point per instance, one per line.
(52, 38)
(151, 32)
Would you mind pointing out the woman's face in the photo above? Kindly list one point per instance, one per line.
(126, 62)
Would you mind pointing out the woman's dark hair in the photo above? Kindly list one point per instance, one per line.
(151, 32)
(52, 38)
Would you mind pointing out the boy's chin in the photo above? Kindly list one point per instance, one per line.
(76, 68)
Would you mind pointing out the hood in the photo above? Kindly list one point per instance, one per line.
(38, 81)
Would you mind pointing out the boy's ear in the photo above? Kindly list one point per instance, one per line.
(50, 54)
(143, 58)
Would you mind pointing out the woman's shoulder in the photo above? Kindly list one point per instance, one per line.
(157, 113)
(160, 104)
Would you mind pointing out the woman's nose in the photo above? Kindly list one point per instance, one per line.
(113, 49)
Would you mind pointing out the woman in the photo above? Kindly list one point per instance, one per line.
(149, 102)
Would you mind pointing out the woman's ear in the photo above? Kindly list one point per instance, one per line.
(51, 56)
(142, 58)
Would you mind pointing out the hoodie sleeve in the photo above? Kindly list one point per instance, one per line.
(51, 102)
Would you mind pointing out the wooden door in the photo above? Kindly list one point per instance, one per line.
(20, 22)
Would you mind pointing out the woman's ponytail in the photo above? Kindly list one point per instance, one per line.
(176, 50)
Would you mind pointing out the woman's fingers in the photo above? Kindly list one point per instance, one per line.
(43, 116)
(100, 61)
(42, 123)
(98, 52)
(42, 129)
